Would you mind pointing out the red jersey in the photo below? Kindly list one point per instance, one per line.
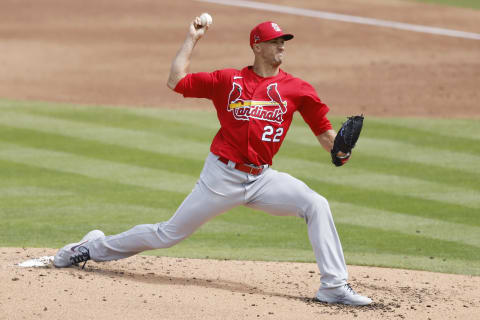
(255, 112)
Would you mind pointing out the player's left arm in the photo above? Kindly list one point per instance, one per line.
(314, 111)
(326, 139)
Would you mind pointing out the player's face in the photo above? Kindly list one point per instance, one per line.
(273, 51)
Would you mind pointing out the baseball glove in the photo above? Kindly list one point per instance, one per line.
(346, 139)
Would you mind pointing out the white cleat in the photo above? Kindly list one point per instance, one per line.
(74, 253)
(343, 295)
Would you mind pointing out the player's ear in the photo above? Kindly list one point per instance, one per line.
(256, 47)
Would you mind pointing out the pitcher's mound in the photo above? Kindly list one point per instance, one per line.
(146, 287)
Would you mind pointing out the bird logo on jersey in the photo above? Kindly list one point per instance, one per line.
(271, 110)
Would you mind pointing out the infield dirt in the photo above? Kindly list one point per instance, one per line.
(119, 53)
(145, 287)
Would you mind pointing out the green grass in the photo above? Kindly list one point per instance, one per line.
(409, 198)
(474, 4)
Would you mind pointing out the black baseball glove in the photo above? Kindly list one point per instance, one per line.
(346, 139)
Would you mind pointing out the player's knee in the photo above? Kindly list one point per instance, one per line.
(167, 240)
(317, 205)
(169, 237)
(322, 202)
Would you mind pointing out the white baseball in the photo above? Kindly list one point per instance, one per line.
(206, 19)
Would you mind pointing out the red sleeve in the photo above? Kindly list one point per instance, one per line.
(313, 110)
(198, 85)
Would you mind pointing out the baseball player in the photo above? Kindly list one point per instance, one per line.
(255, 107)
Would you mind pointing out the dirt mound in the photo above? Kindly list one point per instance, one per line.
(146, 287)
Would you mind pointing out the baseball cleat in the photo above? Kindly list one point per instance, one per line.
(75, 253)
(343, 295)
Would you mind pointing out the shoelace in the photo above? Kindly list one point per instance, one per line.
(347, 286)
(82, 255)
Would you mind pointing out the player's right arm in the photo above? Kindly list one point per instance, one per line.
(179, 68)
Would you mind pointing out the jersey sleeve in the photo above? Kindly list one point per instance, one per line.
(313, 110)
(198, 85)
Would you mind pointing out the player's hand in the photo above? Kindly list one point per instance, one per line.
(341, 154)
(196, 30)
(342, 157)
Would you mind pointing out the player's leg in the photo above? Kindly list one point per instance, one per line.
(199, 207)
(214, 193)
(279, 193)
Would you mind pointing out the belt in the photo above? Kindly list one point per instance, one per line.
(250, 169)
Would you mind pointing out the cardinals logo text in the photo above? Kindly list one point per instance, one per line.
(271, 110)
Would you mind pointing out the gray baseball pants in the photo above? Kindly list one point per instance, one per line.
(221, 188)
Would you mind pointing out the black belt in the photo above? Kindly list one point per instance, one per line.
(250, 169)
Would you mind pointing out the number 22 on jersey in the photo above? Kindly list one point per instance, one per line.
(271, 135)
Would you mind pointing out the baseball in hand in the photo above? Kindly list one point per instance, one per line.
(205, 19)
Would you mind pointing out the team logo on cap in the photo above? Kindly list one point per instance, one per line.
(276, 27)
(271, 110)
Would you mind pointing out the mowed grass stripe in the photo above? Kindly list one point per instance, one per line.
(428, 131)
(116, 119)
(136, 139)
(400, 150)
(404, 145)
(205, 119)
(407, 224)
(62, 204)
(377, 165)
(81, 129)
(72, 221)
(460, 128)
(397, 185)
(406, 152)
(207, 237)
(363, 215)
(440, 140)
(93, 212)
(102, 151)
(372, 240)
(390, 149)
(198, 118)
(11, 192)
(93, 203)
(437, 137)
(439, 128)
(84, 188)
(383, 200)
(429, 263)
(141, 140)
(108, 170)
(448, 177)
(248, 237)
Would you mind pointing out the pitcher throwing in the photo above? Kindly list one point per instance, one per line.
(255, 107)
